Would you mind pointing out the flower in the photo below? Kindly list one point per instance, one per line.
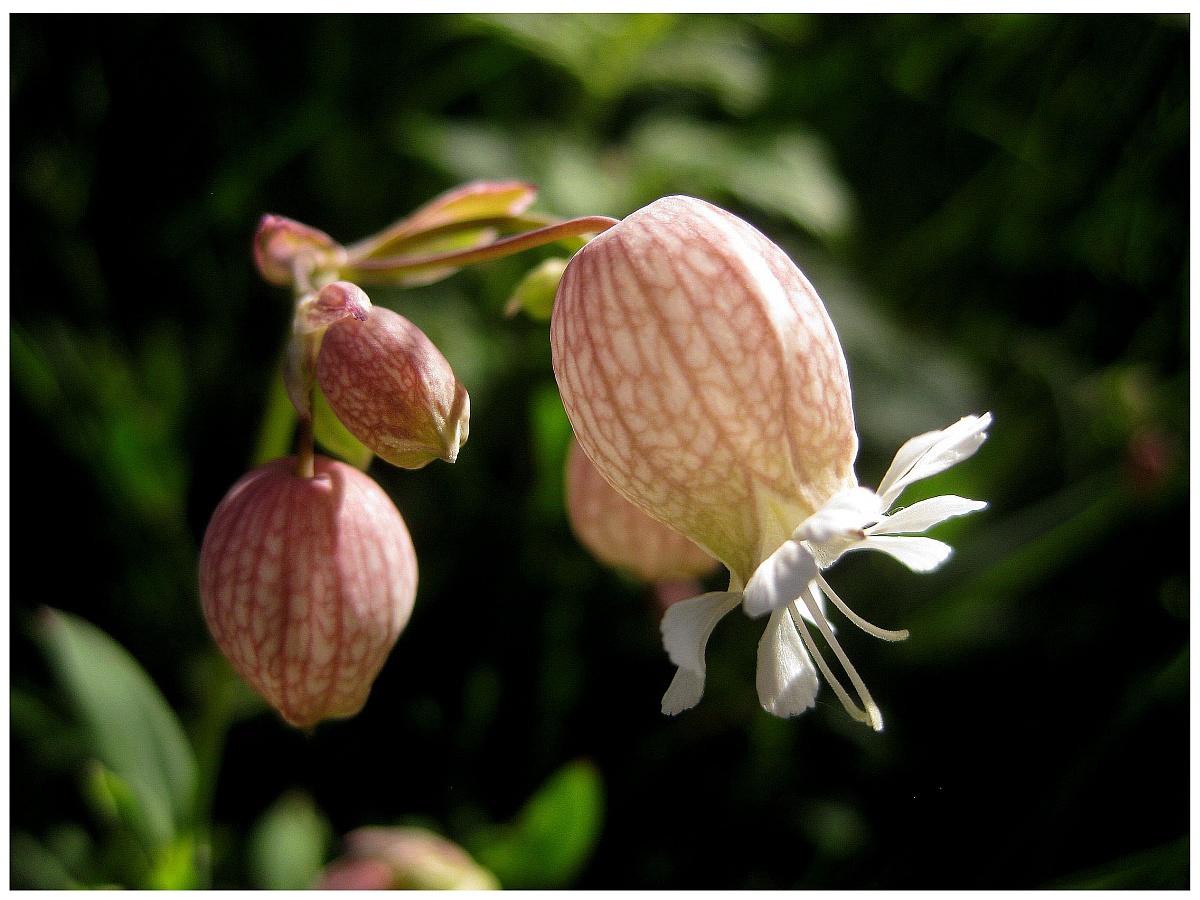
(306, 583)
(703, 377)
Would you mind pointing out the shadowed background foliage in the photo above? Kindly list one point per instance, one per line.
(995, 211)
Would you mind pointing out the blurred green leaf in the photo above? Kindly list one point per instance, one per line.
(552, 837)
(287, 844)
(116, 413)
(792, 174)
(604, 51)
(132, 729)
(277, 425)
(551, 435)
(1160, 868)
(333, 436)
(34, 867)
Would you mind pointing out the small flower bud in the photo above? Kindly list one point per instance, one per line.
(620, 535)
(306, 583)
(280, 244)
(535, 292)
(404, 859)
(392, 389)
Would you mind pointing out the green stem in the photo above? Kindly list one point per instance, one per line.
(304, 448)
(209, 743)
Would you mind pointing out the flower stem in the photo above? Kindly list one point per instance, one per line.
(304, 449)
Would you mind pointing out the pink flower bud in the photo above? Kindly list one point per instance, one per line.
(404, 859)
(281, 243)
(306, 583)
(620, 535)
(702, 375)
(392, 389)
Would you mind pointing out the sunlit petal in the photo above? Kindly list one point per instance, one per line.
(787, 679)
(953, 445)
(846, 513)
(925, 514)
(687, 625)
(687, 687)
(920, 554)
(780, 579)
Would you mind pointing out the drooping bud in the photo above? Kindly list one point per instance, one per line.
(702, 375)
(306, 583)
(281, 244)
(535, 292)
(392, 389)
(404, 859)
(619, 534)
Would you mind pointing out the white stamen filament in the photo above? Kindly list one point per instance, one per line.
(873, 630)
(800, 626)
(869, 712)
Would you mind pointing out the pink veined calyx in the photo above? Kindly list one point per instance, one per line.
(703, 377)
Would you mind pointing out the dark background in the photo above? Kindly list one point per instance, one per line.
(995, 210)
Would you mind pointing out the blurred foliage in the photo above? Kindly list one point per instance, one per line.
(994, 209)
(552, 836)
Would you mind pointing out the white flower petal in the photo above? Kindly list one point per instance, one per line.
(686, 626)
(787, 679)
(933, 452)
(921, 554)
(906, 457)
(846, 513)
(687, 687)
(779, 580)
(925, 514)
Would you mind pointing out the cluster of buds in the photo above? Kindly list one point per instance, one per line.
(307, 570)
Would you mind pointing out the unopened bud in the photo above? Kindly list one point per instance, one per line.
(280, 244)
(392, 389)
(535, 292)
(306, 583)
(404, 859)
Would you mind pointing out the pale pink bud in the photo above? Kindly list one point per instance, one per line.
(306, 583)
(702, 375)
(392, 389)
(281, 244)
(620, 535)
(404, 859)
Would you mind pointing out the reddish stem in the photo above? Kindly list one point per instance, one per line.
(495, 250)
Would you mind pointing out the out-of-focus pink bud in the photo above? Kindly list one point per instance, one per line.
(620, 535)
(392, 389)
(404, 859)
(306, 583)
(280, 243)
(703, 377)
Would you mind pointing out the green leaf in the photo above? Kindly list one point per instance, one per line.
(278, 423)
(1159, 868)
(552, 837)
(449, 218)
(131, 728)
(333, 435)
(287, 845)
